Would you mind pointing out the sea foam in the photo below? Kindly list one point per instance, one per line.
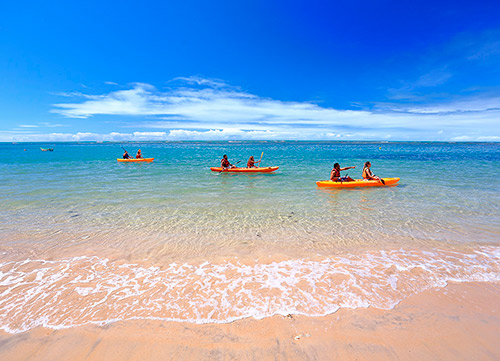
(81, 290)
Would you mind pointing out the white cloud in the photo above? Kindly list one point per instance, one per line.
(470, 104)
(135, 101)
(221, 134)
(468, 138)
(479, 47)
(150, 135)
(40, 125)
(175, 134)
(193, 104)
(197, 80)
(79, 136)
(51, 125)
(209, 109)
(433, 78)
(226, 134)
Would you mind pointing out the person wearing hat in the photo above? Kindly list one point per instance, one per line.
(138, 155)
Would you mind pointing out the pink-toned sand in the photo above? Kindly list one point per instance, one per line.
(459, 322)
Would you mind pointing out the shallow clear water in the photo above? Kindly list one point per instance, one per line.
(79, 201)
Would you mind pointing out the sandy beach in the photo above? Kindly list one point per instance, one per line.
(457, 322)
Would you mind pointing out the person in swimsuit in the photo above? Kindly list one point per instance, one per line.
(335, 174)
(138, 155)
(367, 173)
(251, 162)
(224, 163)
(126, 155)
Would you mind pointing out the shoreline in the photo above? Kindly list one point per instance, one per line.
(86, 290)
(460, 321)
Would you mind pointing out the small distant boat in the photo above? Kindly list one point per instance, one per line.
(46, 149)
(134, 160)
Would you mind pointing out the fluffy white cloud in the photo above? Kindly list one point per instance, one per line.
(210, 109)
(215, 101)
(221, 134)
(213, 106)
(174, 134)
(217, 134)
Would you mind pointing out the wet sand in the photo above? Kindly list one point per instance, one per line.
(458, 322)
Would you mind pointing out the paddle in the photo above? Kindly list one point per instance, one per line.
(125, 151)
(260, 158)
(381, 180)
(129, 154)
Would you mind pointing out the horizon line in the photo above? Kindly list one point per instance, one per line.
(250, 141)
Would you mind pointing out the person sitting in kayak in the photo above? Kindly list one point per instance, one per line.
(251, 162)
(224, 163)
(138, 155)
(335, 174)
(126, 155)
(367, 173)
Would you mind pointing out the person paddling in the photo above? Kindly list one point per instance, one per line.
(224, 163)
(335, 174)
(126, 155)
(251, 162)
(138, 155)
(367, 173)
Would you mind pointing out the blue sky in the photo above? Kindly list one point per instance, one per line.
(184, 70)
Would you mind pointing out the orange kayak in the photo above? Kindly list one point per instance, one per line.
(358, 183)
(133, 160)
(245, 170)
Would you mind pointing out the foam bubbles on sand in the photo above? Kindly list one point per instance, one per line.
(76, 291)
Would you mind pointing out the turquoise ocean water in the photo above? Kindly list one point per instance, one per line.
(276, 241)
